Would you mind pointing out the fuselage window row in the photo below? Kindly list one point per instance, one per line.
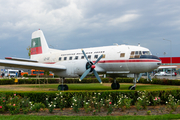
(76, 57)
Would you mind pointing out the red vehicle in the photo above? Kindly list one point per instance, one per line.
(40, 72)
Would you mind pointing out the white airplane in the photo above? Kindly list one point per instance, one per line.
(115, 61)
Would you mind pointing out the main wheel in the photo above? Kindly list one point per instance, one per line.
(115, 85)
(62, 87)
(132, 88)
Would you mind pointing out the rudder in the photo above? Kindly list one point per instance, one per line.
(38, 43)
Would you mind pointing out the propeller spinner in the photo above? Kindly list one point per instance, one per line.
(90, 68)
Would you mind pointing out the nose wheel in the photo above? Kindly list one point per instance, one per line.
(132, 87)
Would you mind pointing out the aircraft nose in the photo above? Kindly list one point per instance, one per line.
(152, 57)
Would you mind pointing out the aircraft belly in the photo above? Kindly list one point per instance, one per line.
(114, 66)
(141, 67)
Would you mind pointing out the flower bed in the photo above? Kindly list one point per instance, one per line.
(91, 102)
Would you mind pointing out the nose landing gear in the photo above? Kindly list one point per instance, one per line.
(134, 81)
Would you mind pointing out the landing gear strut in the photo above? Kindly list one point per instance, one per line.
(115, 84)
(134, 81)
(62, 87)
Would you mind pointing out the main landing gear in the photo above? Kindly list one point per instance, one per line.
(62, 87)
(115, 84)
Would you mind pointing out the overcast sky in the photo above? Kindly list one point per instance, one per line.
(72, 24)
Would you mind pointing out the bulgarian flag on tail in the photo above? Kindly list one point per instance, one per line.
(36, 47)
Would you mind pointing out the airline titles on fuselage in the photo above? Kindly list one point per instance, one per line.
(82, 53)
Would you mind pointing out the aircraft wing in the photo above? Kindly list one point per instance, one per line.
(20, 59)
(31, 65)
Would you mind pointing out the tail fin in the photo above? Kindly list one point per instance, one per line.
(38, 43)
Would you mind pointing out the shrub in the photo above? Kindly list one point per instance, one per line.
(14, 104)
(37, 106)
(76, 103)
(2, 102)
(172, 102)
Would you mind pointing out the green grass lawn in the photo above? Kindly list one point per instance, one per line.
(83, 87)
(30, 117)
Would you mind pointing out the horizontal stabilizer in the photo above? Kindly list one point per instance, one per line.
(161, 67)
(20, 59)
(31, 65)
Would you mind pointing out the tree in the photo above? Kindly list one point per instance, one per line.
(29, 51)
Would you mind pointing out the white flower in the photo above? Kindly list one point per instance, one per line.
(46, 98)
(54, 105)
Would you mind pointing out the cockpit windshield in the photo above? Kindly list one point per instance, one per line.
(146, 53)
(137, 54)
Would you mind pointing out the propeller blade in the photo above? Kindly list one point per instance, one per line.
(84, 74)
(99, 59)
(97, 76)
(85, 56)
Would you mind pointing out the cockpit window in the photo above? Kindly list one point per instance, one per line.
(146, 53)
(137, 54)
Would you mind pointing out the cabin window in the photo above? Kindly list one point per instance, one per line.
(76, 57)
(70, 58)
(137, 52)
(132, 52)
(140, 52)
(82, 57)
(95, 56)
(122, 55)
(89, 56)
(65, 58)
(59, 58)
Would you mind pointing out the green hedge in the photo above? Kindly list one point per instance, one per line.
(88, 80)
(41, 96)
